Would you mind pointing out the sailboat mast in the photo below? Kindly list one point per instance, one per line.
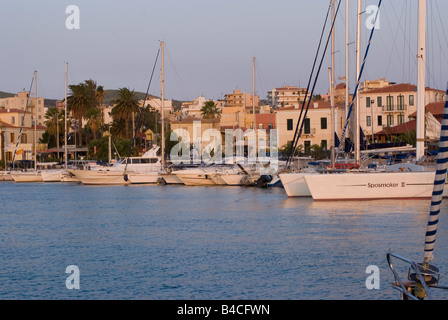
(35, 120)
(162, 85)
(253, 103)
(65, 116)
(332, 139)
(358, 100)
(421, 55)
(347, 67)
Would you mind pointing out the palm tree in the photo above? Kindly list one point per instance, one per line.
(124, 105)
(210, 110)
(83, 98)
(54, 121)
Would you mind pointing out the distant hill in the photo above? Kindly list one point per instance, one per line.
(109, 96)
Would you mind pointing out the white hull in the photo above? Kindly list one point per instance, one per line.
(143, 178)
(51, 176)
(371, 186)
(171, 178)
(217, 179)
(100, 177)
(4, 176)
(233, 179)
(27, 177)
(196, 179)
(295, 184)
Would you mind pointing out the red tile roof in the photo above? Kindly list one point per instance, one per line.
(436, 109)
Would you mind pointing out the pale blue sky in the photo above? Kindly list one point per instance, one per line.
(209, 44)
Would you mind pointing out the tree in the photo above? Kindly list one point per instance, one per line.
(85, 97)
(210, 110)
(124, 106)
(54, 121)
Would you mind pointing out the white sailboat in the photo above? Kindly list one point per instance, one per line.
(30, 176)
(123, 171)
(386, 184)
(294, 182)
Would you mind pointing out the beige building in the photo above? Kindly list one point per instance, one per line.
(10, 125)
(316, 128)
(391, 105)
(156, 104)
(19, 101)
(286, 97)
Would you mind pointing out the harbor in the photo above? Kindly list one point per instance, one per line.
(177, 242)
(324, 183)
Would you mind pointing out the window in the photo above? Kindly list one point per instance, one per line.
(368, 102)
(390, 103)
(323, 123)
(307, 146)
(380, 101)
(369, 121)
(390, 120)
(411, 100)
(13, 120)
(380, 120)
(289, 124)
(400, 102)
(400, 119)
(307, 127)
(12, 137)
(324, 145)
(23, 138)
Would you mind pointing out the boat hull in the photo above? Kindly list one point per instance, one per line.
(195, 179)
(295, 184)
(144, 178)
(371, 186)
(27, 177)
(51, 176)
(171, 178)
(100, 177)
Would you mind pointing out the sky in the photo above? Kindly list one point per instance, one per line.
(209, 44)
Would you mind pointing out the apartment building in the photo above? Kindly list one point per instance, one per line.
(19, 102)
(317, 125)
(391, 105)
(10, 130)
(286, 97)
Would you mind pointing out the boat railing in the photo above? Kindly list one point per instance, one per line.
(425, 276)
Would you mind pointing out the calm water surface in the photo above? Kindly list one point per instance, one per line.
(177, 242)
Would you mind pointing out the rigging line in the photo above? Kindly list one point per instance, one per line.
(359, 79)
(23, 121)
(292, 148)
(179, 81)
(137, 127)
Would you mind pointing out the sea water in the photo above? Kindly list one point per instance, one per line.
(194, 243)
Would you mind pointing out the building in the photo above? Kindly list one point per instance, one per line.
(316, 128)
(10, 130)
(156, 104)
(391, 105)
(286, 97)
(19, 102)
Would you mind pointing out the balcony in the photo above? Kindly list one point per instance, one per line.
(395, 109)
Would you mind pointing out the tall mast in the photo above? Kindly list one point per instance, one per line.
(162, 85)
(358, 100)
(35, 120)
(347, 67)
(332, 139)
(253, 104)
(421, 55)
(65, 134)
